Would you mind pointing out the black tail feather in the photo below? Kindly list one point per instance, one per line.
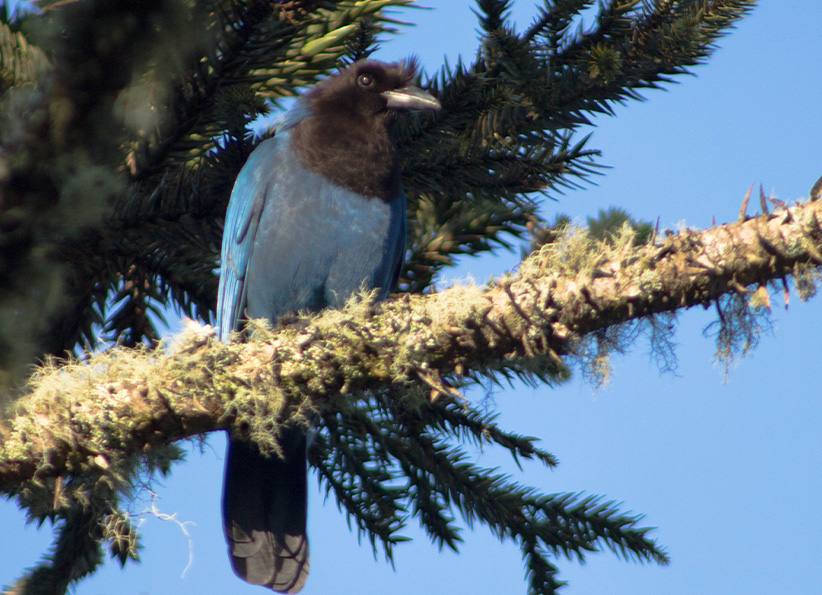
(264, 513)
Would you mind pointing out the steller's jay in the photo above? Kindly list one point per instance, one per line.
(316, 214)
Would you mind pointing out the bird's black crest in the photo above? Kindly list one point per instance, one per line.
(345, 91)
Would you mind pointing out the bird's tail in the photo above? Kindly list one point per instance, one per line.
(264, 513)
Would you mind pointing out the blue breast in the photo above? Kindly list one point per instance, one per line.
(316, 242)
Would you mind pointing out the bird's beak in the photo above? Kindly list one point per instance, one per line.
(410, 99)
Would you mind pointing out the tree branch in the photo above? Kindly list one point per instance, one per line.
(81, 421)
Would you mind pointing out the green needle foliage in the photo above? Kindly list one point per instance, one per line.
(122, 128)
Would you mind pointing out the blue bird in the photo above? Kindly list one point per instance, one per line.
(316, 214)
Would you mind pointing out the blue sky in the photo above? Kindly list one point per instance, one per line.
(727, 470)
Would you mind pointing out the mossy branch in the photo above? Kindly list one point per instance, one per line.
(80, 419)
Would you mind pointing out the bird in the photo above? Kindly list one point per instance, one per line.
(316, 214)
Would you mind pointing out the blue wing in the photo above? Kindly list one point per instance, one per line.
(241, 221)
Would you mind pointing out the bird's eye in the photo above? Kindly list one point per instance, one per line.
(365, 80)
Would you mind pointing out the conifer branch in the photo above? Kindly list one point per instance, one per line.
(509, 120)
(125, 402)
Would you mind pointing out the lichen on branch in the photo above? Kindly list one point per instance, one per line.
(80, 419)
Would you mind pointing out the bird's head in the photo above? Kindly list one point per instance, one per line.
(368, 88)
(344, 131)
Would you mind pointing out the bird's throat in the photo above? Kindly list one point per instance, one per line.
(360, 156)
